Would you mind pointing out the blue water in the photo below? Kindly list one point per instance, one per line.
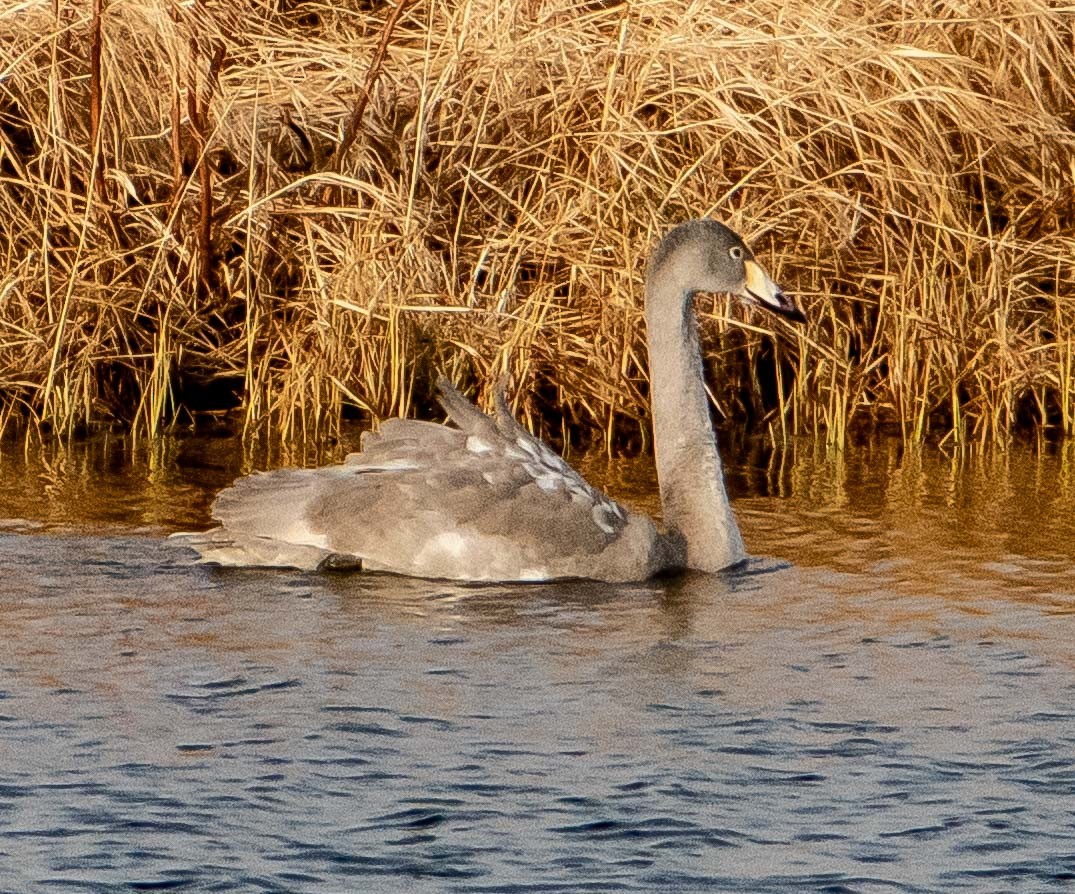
(884, 700)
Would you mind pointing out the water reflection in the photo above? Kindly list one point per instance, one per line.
(880, 701)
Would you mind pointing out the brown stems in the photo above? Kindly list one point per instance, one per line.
(197, 111)
(97, 155)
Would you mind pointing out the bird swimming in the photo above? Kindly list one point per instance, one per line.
(487, 501)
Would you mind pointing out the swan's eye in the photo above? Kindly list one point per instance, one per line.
(736, 253)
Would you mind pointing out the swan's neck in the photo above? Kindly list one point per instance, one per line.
(689, 470)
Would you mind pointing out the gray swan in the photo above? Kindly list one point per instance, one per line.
(488, 501)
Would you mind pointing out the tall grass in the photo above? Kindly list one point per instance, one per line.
(312, 207)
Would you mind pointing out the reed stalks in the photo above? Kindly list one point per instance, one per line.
(308, 211)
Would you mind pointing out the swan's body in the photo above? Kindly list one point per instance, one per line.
(488, 501)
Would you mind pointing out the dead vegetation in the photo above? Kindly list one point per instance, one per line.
(300, 208)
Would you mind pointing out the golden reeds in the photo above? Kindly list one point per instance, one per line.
(316, 207)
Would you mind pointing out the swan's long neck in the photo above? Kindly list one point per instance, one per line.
(689, 470)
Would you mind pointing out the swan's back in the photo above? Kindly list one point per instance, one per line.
(484, 501)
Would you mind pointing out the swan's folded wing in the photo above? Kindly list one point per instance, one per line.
(503, 432)
(427, 500)
(483, 510)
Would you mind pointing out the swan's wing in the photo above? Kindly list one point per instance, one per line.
(537, 458)
(484, 501)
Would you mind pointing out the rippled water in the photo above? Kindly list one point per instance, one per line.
(882, 700)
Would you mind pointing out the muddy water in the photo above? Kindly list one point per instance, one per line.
(882, 700)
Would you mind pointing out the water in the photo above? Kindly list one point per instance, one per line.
(882, 700)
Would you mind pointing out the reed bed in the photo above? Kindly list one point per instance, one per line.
(303, 211)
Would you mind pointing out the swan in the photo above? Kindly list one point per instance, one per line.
(486, 500)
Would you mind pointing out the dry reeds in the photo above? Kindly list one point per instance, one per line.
(309, 207)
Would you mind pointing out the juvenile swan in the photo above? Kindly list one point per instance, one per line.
(487, 500)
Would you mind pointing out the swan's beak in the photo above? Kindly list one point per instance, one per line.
(763, 292)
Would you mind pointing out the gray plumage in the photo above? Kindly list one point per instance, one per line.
(486, 500)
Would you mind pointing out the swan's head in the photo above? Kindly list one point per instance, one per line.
(705, 256)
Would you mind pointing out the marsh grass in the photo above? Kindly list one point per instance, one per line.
(311, 210)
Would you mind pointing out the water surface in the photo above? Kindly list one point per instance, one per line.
(881, 700)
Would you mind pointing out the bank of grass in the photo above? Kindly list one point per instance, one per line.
(186, 221)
